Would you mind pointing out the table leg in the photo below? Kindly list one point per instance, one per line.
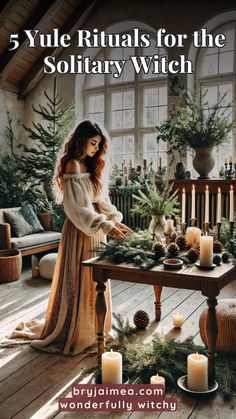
(157, 291)
(101, 310)
(211, 331)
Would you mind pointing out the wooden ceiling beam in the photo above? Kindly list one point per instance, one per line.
(81, 14)
(31, 23)
(3, 4)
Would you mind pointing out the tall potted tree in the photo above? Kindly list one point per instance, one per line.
(197, 127)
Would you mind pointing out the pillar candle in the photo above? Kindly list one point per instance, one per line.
(157, 379)
(183, 205)
(193, 235)
(197, 370)
(206, 250)
(193, 202)
(178, 320)
(111, 368)
(218, 213)
(206, 204)
(231, 204)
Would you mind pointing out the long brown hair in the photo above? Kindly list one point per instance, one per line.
(74, 149)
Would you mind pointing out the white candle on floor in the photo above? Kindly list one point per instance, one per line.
(111, 368)
(197, 372)
(178, 320)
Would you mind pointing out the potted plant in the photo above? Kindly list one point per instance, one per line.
(196, 126)
(157, 204)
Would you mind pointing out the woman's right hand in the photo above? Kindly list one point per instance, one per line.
(115, 233)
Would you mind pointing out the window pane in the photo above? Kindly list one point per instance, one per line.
(151, 51)
(128, 70)
(153, 152)
(155, 105)
(122, 104)
(226, 62)
(96, 108)
(122, 149)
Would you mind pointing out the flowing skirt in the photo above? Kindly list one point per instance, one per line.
(71, 324)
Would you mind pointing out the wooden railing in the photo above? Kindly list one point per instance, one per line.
(124, 204)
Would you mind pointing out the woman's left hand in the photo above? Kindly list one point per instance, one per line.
(124, 228)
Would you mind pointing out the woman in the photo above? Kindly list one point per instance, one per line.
(71, 324)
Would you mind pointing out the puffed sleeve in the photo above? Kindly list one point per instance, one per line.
(107, 208)
(79, 209)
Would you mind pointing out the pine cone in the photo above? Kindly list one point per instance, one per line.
(159, 250)
(181, 241)
(193, 255)
(141, 319)
(225, 257)
(217, 246)
(217, 260)
(173, 250)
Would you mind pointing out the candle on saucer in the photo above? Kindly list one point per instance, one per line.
(231, 204)
(197, 370)
(111, 368)
(178, 320)
(206, 250)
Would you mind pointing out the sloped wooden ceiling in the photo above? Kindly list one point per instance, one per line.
(21, 69)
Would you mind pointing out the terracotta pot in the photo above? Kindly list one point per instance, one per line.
(204, 161)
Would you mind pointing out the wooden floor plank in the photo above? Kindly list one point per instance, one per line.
(31, 382)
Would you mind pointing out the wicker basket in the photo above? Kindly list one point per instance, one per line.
(226, 319)
(10, 265)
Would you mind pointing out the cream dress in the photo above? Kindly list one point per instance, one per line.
(71, 325)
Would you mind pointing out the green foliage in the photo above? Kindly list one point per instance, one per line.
(15, 186)
(38, 161)
(194, 125)
(155, 202)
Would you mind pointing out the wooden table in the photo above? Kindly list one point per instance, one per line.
(209, 282)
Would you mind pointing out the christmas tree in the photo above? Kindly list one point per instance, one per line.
(38, 161)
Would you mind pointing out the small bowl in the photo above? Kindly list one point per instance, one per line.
(173, 263)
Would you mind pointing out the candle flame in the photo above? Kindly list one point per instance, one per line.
(183, 190)
(231, 187)
(207, 187)
(219, 190)
(193, 186)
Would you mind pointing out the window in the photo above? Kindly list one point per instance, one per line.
(130, 106)
(216, 77)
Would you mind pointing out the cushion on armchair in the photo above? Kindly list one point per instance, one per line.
(17, 222)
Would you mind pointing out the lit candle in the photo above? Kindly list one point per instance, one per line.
(231, 204)
(157, 379)
(183, 205)
(111, 368)
(206, 250)
(178, 320)
(206, 204)
(193, 235)
(197, 372)
(218, 214)
(193, 202)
